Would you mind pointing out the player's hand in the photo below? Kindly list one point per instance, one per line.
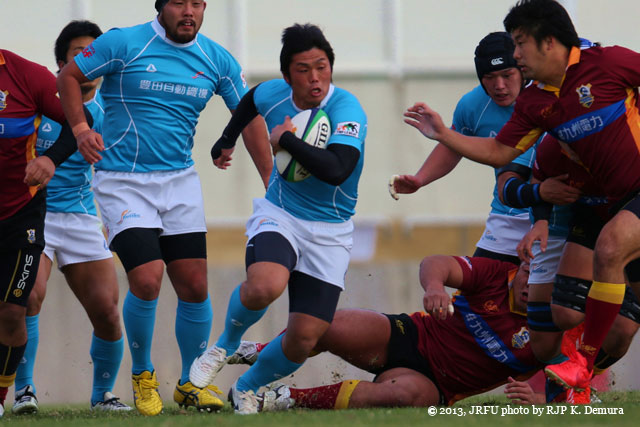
(437, 303)
(223, 161)
(276, 133)
(423, 118)
(557, 192)
(521, 393)
(539, 232)
(39, 171)
(407, 184)
(90, 144)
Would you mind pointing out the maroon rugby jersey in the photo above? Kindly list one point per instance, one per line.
(27, 92)
(595, 113)
(552, 161)
(485, 341)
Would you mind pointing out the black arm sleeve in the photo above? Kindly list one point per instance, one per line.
(242, 116)
(520, 194)
(333, 165)
(66, 143)
(522, 170)
(541, 211)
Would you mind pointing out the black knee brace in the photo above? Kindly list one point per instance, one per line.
(570, 292)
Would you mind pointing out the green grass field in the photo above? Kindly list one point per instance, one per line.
(628, 402)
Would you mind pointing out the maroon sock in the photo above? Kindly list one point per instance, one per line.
(323, 397)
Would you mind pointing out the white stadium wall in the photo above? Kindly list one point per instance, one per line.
(390, 54)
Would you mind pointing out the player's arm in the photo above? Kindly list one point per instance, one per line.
(482, 150)
(439, 163)
(332, 165)
(89, 141)
(436, 272)
(40, 170)
(256, 140)
(514, 189)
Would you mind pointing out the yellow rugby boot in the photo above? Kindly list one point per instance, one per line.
(145, 393)
(203, 399)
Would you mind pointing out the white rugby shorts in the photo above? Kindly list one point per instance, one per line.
(74, 238)
(502, 233)
(170, 201)
(544, 265)
(323, 248)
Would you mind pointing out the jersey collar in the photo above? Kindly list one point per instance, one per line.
(159, 29)
(322, 104)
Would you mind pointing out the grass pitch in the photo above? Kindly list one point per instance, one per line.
(495, 409)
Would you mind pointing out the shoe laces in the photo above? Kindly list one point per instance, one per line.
(214, 389)
(147, 387)
(247, 399)
(115, 402)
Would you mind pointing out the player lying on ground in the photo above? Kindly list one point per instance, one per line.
(436, 358)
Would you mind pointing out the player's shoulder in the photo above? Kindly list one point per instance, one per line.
(341, 99)
(475, 95)
(473, 103)
(267, 90)
(21, 63)
(212, 47)
(130, 34)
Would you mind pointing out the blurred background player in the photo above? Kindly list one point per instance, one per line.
(73, 233)
(300, 234)
(158, 77)
(27, 92)
(483, 112)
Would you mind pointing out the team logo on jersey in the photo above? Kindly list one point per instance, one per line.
(490, 306)
(88, 51)
(584, 95)
(521, 338)
(348, 128)
(31, 235)
(151, 68)
(400, 325)
(201, 74)
(46, 127)
(3, 99)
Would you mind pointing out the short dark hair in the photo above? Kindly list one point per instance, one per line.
(71, 31)
(300, 38)
(541, 19)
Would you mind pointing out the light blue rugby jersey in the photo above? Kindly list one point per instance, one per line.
(154, 90)
(477, 115)
(69, 190)
(313, 199)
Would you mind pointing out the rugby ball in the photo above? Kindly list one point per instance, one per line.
(313, 127)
